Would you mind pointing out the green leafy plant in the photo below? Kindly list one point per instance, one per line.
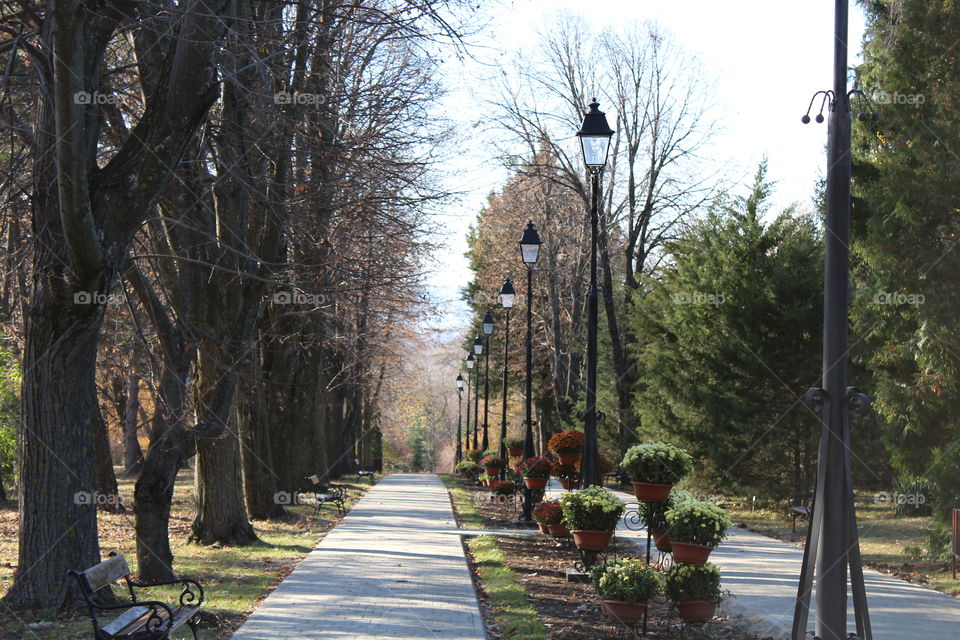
(912, 496)
(490, 452)
(468, 469)
(627, 579)
(686, 582)
(535, 468)
(491, 460)
(697, 523)
(513, 443)
(593, 509)
(657, 462)
(655, 515)
(472, 455)
(547, 512)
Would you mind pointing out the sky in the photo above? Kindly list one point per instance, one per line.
(765, 57)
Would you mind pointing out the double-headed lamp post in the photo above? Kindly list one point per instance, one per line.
(487, 326)
(469, 361)
(508, 296)
(529, 252)
(594, 137)
(478, 351)
(459, 455)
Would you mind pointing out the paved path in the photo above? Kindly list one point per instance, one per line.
(393, 568)
(763, 573)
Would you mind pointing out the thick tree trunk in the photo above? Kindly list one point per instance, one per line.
(108, 498)
(132, 454)
(259, 478)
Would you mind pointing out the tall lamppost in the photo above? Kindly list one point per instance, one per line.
(487, 326)
(507, 297)
(459, 455)
(832, 543)
(469, 361)
(478, 351)
(529, 252)
(594, 136)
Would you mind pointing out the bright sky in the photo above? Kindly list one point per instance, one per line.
(767, 58)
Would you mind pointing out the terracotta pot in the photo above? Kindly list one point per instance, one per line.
(566, 483)
(515, 453)
(697, 610)
(590, 540)
(558, 530)
(568, 458)
(623, 611)
(651, 491)
(662, 540)
(543, 528)
(493, 471)
(695, 554)
(535, 483)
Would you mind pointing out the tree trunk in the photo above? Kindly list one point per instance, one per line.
(259, 479)
(108, 498)
(132, 454)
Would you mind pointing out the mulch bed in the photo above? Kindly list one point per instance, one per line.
(570, 610)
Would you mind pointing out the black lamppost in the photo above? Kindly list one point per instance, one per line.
(529, 252)
(487, 330)
(478, 351)
(594, 136)
(470, 362)
(459, 455)
(507, 297)
(832, 543)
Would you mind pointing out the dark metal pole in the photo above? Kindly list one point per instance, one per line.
(528, 405)
(589, 463)
(486, 396)
(476, 408)
(459, 455)
(503, 410)
(466, 434)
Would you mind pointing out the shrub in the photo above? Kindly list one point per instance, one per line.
(513, 443)
(472, 455)
(686, 582)
(535, 468)
(491, 460)
(697, 523)
(912, 496)
(548, 512)
(657, 462)
(628, 579)
(594, 509)
(468, 469)
(566, 442)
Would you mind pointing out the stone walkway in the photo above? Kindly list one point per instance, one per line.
(393, 568)
(762, 573)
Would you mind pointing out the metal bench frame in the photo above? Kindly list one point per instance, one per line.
(324, 493)
(140, 619)
(801, 506)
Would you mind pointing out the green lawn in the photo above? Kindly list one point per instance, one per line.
(235, 579)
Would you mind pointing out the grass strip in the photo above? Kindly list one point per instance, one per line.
(513, 612)
(470, 518)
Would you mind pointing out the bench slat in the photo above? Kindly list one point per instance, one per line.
(133, 621)
(126, 619)
(106, 573)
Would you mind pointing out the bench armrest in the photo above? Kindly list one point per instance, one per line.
(187, 596)
(154, 623)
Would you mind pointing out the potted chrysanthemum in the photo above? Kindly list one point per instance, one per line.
(549, 518)
(695, 529)
(654, 468)
(492, 464)
(535, 472)
(625, 586)
(514, 446)
(591, 514)
(695, 590)
(567, 445)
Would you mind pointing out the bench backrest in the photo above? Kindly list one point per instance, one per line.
(106, 573)
(314, 479)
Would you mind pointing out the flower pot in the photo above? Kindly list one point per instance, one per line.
(590, 540)
(568, 458)
(558, 530)
(515, 453)
(651, 491)
(493, 471)
(697, 610)
(662, 540)
(566, 483)
(535, 483)
(624, 612)
(543, 528)
(695, 554)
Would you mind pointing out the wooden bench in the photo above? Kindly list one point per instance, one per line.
(365, 472)
(801, 506)
(138, 619)
(325, 492)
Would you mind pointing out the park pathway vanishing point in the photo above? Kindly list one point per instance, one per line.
(393, 568)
